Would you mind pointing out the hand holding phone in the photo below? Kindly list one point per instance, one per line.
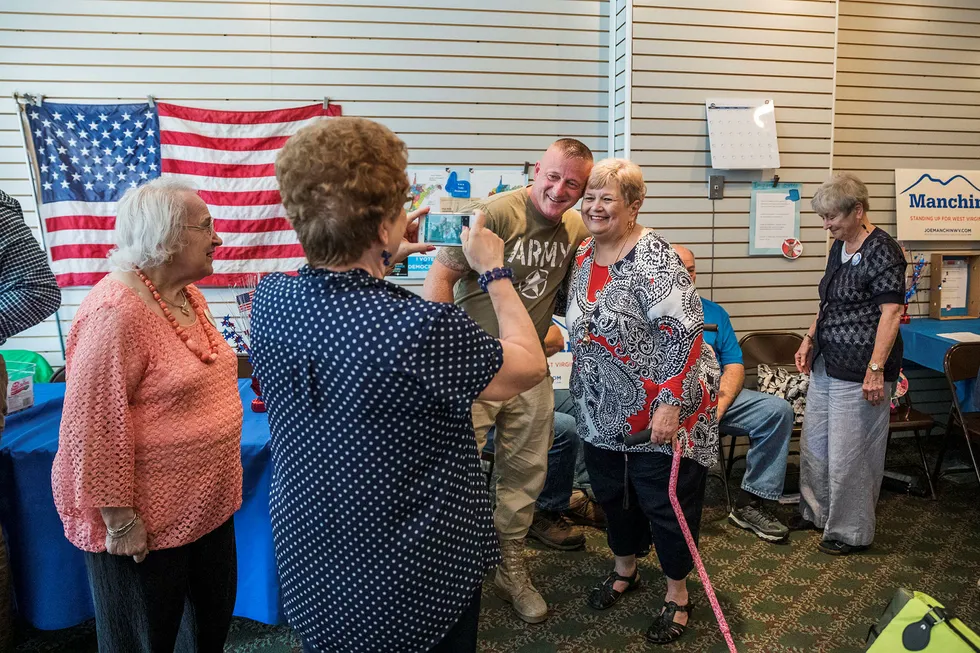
(483, 249)
(409, 244)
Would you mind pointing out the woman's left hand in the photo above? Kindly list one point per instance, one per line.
(410, 244)
(664, 424)
(874, 387)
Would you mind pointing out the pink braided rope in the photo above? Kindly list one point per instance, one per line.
(675, 468)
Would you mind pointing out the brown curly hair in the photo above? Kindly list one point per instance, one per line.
(339, 180)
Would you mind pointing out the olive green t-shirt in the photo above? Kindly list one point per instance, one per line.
(540, 252)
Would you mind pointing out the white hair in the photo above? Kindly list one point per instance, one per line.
(839, 195)
(150, 224)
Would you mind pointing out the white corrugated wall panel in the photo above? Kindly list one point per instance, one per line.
(622, 76)
(683, 54)
(463, 83)
(908, 95)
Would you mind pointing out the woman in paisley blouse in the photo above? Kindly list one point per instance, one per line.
(640, 363)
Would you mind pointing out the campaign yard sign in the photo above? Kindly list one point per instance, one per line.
(937, 204)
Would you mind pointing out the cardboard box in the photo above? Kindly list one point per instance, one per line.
(940, 299)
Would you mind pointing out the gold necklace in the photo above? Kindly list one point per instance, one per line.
(587, 338)
(183, 307)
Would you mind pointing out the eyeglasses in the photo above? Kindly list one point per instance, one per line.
(207, 227)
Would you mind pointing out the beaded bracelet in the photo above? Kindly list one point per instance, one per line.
(493, 275)
(116, 533)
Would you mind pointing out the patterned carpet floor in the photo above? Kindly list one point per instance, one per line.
(777, 598)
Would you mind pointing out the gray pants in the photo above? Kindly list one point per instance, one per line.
(842, 457)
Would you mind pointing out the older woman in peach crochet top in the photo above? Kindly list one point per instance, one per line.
(148, 471)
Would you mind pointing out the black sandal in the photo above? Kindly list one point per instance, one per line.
(603, 595)
(664, 629)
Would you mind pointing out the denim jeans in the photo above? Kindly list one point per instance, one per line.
(561, 465)
(565, 404)
(768, 421)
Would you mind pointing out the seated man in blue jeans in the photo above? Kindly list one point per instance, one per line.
(766, 419)
(564, 501)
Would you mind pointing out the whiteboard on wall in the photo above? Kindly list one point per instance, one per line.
(742, 133)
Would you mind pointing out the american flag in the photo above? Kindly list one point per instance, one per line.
(89, 155)
(244, 301)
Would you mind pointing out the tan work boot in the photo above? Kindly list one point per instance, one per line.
(512, 584)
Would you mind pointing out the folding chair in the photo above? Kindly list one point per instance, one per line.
(774, 348)
(907, 418)
(960, 364)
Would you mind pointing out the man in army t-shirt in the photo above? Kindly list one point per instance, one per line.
(541, 232)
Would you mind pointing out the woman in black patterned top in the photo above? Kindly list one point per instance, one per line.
(853, 353)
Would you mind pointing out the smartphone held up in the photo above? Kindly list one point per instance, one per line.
(443, 228)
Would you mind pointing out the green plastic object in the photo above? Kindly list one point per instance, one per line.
(907, 610)
(17, 359)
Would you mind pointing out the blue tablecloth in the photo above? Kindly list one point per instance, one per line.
(925, 347)
(49, 573)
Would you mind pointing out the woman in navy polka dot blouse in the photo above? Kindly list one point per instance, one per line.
(380, 514)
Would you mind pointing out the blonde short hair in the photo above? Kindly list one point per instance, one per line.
(627, 174)
(840, 195)
(340, 179)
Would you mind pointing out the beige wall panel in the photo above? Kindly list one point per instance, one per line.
(919, 138)
(908, 96)
(783, 18)
(885, 117)
(934, 13)
(952, 4)
(731, 34)
(712, 48)
(478, 87)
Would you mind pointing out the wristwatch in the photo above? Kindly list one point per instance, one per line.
(875, 367)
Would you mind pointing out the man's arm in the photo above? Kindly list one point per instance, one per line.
(439, 282)
(729, 356)
(732, 380)
(28, 290)
(553, 341)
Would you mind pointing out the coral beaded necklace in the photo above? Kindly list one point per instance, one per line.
(206, 356)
